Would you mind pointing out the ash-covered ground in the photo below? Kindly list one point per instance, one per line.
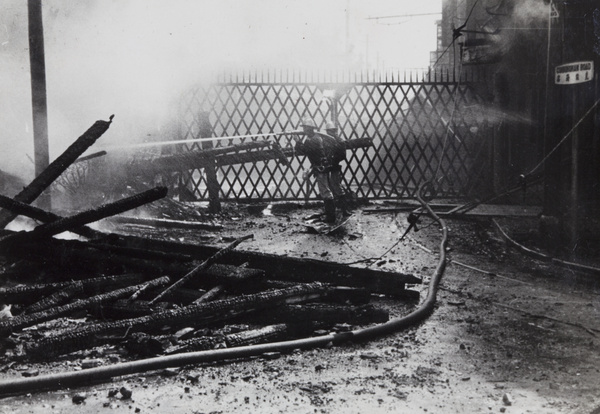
(520, 337)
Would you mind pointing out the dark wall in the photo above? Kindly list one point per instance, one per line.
(572, 189)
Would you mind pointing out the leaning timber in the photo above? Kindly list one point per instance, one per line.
(78, 220)
(24, 209)
(193, 315)
(23, 321)
(290, 268)
(57, 167)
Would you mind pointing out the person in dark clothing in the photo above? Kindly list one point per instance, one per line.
(319, 148)
(338, 154)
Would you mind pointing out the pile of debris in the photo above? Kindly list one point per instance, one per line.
(151, 297)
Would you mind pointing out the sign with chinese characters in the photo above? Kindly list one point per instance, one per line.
(576, 72)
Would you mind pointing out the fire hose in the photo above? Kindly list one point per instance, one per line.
(98, 374)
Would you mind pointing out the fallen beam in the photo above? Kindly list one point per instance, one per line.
(24, 209)
(56, 299)
(23, 321)
(166, 223)
(291, 269)
(193, 315)
(78, 220)
(27, 294)
(109, 258)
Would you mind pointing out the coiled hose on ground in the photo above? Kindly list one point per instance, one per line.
(99, 374)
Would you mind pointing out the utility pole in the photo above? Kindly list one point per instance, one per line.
(38, 90)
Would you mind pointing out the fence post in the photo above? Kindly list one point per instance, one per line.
(205, 129)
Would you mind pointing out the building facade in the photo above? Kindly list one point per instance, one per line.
(541, 97)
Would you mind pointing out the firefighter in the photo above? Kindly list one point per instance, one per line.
(337, 154)
(318, 148)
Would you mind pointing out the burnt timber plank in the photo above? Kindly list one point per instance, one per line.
(289, 268)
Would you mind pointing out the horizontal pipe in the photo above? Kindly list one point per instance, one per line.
(191, 141)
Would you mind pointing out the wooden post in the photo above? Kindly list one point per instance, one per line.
(210, 168)
(38, 91)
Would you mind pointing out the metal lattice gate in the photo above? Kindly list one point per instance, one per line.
(429, 127)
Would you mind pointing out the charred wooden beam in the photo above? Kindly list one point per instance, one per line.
(166, 223)
(232, 277)
(127, 309)
(237, 276)
(182, 296)
(78, 220)
(56, 299)
(141, 253)
(202, 343)
(107, 258)
(23, 321)
(26, 294)
(24, 209)
(291, 268)
(248, 337)
(193, 315)
(337, 294)
(57, 167)
(203, 266)
(86, 257)
(256, 336)
(210, 295)
(326, 314)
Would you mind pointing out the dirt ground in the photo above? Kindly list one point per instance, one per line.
(520, 338)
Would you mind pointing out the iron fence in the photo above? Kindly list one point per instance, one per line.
(424, 126)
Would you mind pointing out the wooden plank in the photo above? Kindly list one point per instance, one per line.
(290, 268)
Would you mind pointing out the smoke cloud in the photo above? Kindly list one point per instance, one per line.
(133, 58)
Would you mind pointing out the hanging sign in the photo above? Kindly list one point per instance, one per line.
(576, 72)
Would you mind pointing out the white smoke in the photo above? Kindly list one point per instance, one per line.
(530, 11)
(133, 58)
